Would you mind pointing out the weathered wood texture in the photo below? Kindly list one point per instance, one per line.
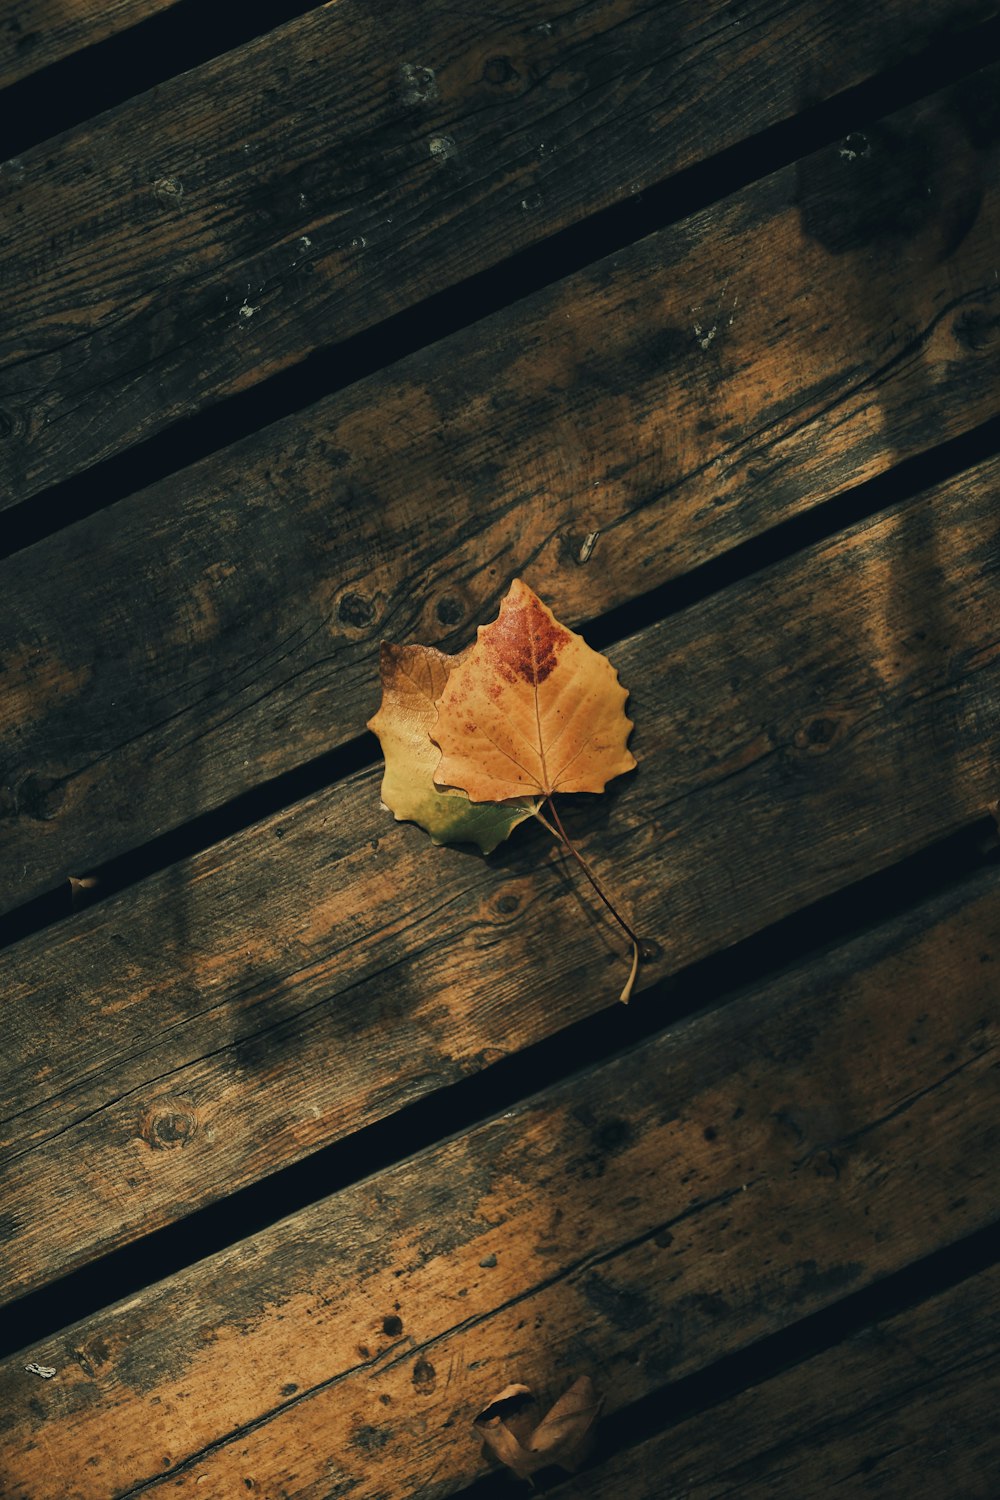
(347, 165)
(318, 970)
(635, 1222)
(905, 1408)
(35, 33)
(221, 627)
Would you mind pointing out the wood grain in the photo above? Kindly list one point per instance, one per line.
(218, 228)
(326, 966)
(697, 389)
(906, 1407)
(35, 33)
(635, 1222)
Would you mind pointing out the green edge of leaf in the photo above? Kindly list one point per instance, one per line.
(450, 818)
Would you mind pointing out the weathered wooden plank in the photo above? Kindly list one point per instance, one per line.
(36, 33)
(325, 966)
(906, 1407)
(347, 165)
(636, 1222)
(717, 378)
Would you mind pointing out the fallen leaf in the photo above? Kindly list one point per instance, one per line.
(562, 1437)
(80, 887)
(530, 709)
(413, 678)
(510, 1395)
(475, 744)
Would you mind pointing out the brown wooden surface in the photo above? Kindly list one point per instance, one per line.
(35, 33)
(795, 732)
(685, 395)
(907, 1407)
(668, 444)
(605, 1227)
(200, 237)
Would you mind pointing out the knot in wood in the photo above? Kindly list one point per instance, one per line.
(168, 1121)
(39, 797)
(816, 737)
(450, 611)
(355, 611)
(976, 330)
(500, 71)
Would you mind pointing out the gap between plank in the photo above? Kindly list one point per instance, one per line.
(67, 93)
(769, 1357)
(864, 502)
(107, 73)
(706, 984)
(336, 367)
(778, 544)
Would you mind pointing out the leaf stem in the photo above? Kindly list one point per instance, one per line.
(559, 833)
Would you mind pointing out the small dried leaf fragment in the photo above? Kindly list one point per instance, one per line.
(80, 889)
(562, 1437)
(530, 709)
(413, 678)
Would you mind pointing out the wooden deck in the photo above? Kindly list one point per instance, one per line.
(318, 331)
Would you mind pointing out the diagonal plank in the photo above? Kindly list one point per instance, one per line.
(36, 33)
(220, 227)
(906, 1407)
(682, 397)
(326, 966)
(635, 1222)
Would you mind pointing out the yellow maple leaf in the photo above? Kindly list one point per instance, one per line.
(530, 709)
